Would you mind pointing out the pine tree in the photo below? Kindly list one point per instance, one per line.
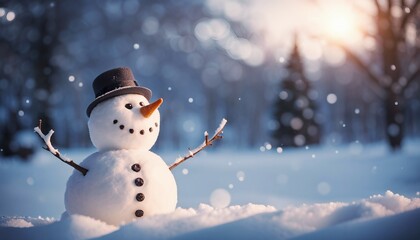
(295, 110)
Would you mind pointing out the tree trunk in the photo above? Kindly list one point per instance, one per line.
(394, 120)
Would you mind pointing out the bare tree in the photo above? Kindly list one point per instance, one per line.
(398, 58)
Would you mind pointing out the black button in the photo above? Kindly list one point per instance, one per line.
(139, 213)
(140, 197)
(139, 182)
(136, 167)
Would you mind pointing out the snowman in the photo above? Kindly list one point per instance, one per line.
(123, 180)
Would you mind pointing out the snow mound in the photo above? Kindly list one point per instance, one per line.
(316, 216)
(23, 222)
(295, 221)
(400, 226)
(69, 227)
(249, 221)
(186, 220)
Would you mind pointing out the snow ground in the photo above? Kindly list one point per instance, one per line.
(346, 191)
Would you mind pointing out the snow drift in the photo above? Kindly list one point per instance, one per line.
(377, 216)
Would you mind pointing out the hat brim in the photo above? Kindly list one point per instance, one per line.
(147, 93)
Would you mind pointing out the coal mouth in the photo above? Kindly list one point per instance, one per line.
(131, 130)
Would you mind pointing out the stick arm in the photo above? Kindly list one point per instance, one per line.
(50, 148)
(207, 142)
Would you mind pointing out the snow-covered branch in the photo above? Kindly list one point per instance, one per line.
(49, 147)
(207, 142)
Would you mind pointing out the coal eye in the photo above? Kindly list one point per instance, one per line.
(142, 104)
(128, 106)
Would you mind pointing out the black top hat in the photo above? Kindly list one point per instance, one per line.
(116, 82)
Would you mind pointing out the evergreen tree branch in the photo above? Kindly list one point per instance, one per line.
(207, 142)
(49, 147)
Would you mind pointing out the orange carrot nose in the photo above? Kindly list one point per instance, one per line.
(148, 110)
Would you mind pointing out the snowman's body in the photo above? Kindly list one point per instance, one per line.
(115, 189)
(124, 180)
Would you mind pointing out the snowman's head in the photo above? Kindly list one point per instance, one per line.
(125, 122)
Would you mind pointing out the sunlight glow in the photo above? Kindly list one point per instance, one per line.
(319, 24)
(340, 24)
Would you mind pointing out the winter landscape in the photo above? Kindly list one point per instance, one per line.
(213, 119)
(353, 192)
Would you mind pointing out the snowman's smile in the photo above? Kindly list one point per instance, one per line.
(122, 127)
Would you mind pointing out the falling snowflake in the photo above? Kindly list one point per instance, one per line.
(323, 188)
(241, 176)
(331, 98)
(393, 67)
(10, 16)
(220, 198)
(30, 181)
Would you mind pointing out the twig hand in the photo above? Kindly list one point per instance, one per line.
(207, 142)
(49, 147)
